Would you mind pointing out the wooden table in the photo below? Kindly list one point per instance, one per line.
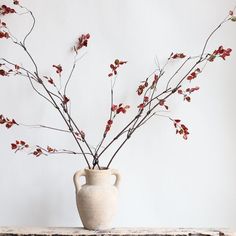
(73, 231)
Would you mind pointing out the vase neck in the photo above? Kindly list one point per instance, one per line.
(98, 177)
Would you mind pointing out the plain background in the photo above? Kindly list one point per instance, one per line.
(167, 181)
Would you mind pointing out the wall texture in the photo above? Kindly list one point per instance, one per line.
(167, 181)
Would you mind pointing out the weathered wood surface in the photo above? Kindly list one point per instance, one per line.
(23, 231)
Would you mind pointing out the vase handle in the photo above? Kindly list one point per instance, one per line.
(76, 177)
(118, 177)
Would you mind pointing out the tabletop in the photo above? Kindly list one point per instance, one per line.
(76, 231)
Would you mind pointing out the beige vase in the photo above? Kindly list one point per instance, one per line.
(97, 198)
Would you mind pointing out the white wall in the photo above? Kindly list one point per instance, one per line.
(167, 182)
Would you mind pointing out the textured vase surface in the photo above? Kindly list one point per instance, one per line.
(97, 198)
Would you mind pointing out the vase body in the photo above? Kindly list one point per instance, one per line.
(97, 198)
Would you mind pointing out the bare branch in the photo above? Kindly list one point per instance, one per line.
(31, 29)
(40, 94)
(72, 70)
(22, 68)
(177, 71)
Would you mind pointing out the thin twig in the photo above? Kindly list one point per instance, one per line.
(176, 72)
(61, 151)
(72, 70)
(31, 29)
(40, 94)
(24, 69)
(122, 144)
(171, 93)
(45, 127)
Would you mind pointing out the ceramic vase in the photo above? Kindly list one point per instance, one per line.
(97, 198)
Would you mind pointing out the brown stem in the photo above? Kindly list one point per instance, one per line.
(127, 126)
(182, 65)
(31, 29)
(54, 103)
(13, 64)
(72, 70)
(44, 126)
(148, 114)
(96, 161)
(60, 151)
(31, 58)
(39, 80)
(161, 73)
(148, 118)
(122, 144)
(132, 131)
(78, 130)
(191, 69)
(32, 85)
(68, 80)
(117, 136)
(70, 128)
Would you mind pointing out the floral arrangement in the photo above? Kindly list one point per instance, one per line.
(151, 96)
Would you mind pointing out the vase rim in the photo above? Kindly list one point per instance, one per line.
(103, 169)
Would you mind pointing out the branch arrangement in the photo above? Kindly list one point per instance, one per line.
(151, 95)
